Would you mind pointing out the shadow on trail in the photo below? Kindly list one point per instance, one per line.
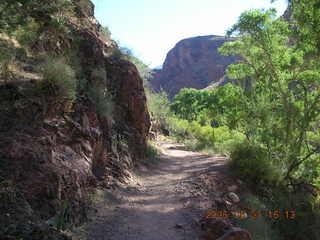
(156, 208)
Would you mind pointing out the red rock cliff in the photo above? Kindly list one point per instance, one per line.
(192, 63)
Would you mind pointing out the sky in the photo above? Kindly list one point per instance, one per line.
(150, 28)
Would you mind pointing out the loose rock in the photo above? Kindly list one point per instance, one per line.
(233, 197)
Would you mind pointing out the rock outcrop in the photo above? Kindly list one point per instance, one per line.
(193, 63)
(52, 159)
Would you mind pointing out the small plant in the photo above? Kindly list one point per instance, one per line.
(251, 163)
(58, 80)
(28, 34)
(102, 100)
(63, 217)
(105, 33)
(226, 139)
(159, 108)
(4, 68)
(98, 93)
(152, 152)
(177, 127)
(7, 55)
(99, 75)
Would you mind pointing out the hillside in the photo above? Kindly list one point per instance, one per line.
(192, 63)
(69, 123)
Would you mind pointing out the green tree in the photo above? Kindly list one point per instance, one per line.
(283, 101)
(306, 26)
(219, 104)
(226, 108)
(188, 103)
(159, 108)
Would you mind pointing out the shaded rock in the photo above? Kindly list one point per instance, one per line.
(131, 108)
(236, 234)
(47, 172)
(18, 220)
(214, 228)
(219, 204)
(222, 229)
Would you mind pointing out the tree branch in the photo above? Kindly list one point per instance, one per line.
(297, 164)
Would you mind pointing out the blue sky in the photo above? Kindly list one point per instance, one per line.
(150, 28)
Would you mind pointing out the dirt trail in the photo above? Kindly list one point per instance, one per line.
(161, 205)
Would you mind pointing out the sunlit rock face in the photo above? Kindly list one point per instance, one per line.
(192, 63)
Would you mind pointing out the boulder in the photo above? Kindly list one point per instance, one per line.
(214, 228)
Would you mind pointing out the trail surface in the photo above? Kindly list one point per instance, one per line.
(162, 205)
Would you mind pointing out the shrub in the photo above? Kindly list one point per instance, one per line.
(313, 137)
(261, 227)
(158, 106)
(8, 54)
(28, 34)
(4, 65)
(99, 75)
(178, 127)
(251, 163)
(204, 134)
(152, 152)
(105, 33)
(310, 170)
(102, 100)
(123, 53)
(192, 144)
(58, 79)
(220, 139)
(226, 139)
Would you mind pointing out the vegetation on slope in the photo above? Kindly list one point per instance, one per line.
(61, 133)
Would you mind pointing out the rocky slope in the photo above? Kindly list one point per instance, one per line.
(192, 63)
(52, 158)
